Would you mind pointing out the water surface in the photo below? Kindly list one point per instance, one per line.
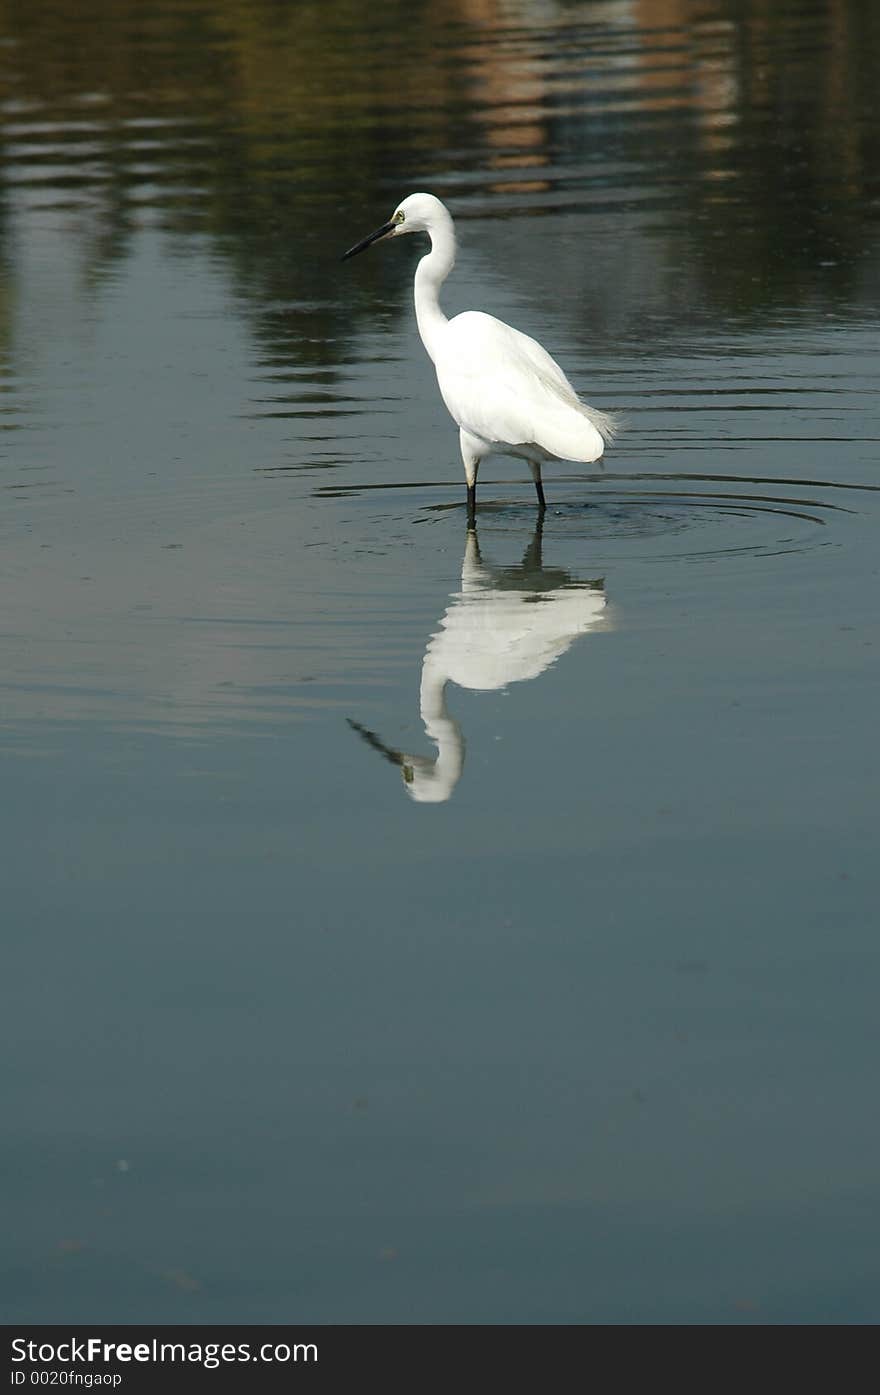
(402, 927)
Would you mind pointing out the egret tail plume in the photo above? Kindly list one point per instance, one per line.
(608, 424)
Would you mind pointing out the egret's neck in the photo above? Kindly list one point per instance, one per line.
(443, 730)
(431, 272)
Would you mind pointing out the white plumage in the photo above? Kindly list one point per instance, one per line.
(506, 625)
(505, 392)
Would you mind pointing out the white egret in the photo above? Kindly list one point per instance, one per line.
(506, 625)
(505, 392)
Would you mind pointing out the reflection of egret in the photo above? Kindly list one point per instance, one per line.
(506, 624)
(506, 393)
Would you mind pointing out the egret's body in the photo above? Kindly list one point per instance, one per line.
(506, 625)
(505, 392)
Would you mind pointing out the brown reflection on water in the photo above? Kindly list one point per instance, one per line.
(508, 89)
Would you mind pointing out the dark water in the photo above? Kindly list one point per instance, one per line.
(397, 928)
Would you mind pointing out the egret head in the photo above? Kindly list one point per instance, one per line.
(425, 778)
(417, 213)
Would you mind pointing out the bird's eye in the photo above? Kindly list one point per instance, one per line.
(399, 216)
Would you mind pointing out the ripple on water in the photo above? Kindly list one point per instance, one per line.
(682, 518)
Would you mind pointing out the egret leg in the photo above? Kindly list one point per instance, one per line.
(535, 467)
(533, 558)
(470, 456)
(472, 559)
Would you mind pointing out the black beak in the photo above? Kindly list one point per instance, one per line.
(395, 757)
(385, 229)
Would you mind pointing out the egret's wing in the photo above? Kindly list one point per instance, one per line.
(487, 641)
(504, 387)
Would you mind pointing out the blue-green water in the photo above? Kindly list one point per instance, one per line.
(576, 1021)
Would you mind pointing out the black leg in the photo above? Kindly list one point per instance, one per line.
(472, 505)
(533, 559)
(542, 502)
